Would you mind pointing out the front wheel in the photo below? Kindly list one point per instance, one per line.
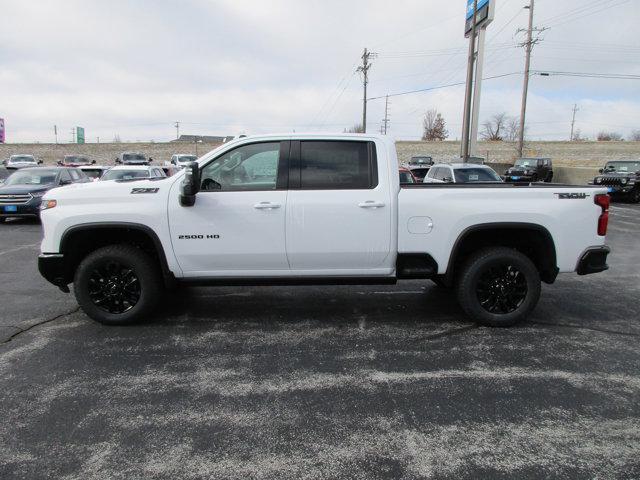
(498, 287)
(117, 285)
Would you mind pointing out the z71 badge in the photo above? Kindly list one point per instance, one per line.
(572, 196)
(144, 190)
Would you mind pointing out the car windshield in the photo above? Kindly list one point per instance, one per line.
(133, 156)
(526, 162)
(32, 177)
(419, 172)
(421, 160)
(22, 158)
(406, 177)
(187, 158)
(470, 175)
(125, 174)
(622, 167)
(77, 160)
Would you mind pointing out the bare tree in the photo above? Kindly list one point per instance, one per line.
(634, 136)
(609, 137)
(116, 138)
(512, 129)
(577, 136)
(434, 126)
(494, 128)
(357, 128)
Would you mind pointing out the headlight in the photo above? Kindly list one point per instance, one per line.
(625, 181)
(597, 180)
(47, 204)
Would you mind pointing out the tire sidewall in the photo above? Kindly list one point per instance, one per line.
(134, 259)
(475, 269)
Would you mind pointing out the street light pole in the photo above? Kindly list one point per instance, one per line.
(525, 86)
(468, 96)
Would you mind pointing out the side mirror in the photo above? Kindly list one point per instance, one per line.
(601, 170)
(447, 180)
(93, 162)
(150, 159)
(190, 185)
(40, 162)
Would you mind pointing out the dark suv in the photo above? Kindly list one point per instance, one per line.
(534, 169)
(622, 179)
(420, 165)
(21, 194)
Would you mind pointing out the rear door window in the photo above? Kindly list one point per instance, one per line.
(337, 165)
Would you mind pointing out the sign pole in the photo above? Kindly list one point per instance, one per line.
(468, 91)
(473, 148)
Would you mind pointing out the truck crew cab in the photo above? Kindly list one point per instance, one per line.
(313, 209)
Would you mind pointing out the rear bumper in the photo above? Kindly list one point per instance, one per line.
(593, 260)
(52, 267)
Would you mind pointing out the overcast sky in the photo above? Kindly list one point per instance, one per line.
(221, 67)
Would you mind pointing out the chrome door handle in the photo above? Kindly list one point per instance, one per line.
(371, 204)
(266, 206)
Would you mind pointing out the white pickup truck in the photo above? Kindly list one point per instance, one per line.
(316, 209)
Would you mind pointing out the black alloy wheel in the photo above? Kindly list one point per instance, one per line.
(114, 287)
(501, 289)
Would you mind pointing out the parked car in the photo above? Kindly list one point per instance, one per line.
(533, 169)
(94, 172)
(406, 176)
(317, 209)
(622, 179)
(181, 159)
(21, 161)
(133, 158)
(21, 193)
(75, 161)
(419, 166)
(461, 173)
(132, 172)
(170, 170)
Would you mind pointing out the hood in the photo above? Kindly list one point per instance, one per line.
(109, 189)
(22, 189)
(518, 168)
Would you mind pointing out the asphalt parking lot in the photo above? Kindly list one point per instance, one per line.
(330, 382)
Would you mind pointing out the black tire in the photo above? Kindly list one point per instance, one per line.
(118, 285)
(635, 196)
(439, 281)
(498, 287)
(3, 219)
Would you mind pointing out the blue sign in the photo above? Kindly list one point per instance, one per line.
(481, 4)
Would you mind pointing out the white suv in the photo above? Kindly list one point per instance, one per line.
(461, 173)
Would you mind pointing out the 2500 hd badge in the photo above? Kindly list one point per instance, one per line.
(197, 237)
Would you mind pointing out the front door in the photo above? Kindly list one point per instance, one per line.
(237, 226)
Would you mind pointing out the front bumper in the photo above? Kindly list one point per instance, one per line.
(29, 209)
(593, 260)
(52, 267)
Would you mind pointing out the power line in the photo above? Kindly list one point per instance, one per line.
(616, 76)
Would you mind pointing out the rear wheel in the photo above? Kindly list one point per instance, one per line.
(635, 195)
(117, 285)
(498, 287)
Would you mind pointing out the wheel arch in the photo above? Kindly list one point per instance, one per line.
(533, 240)
(80, 240)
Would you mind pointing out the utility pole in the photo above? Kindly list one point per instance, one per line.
(364, 68)
(466, 124)
(55, 133)
(73, 135)
(177, 125)
(98, 139)
(573, 120)
(528, 44)
(385, 122)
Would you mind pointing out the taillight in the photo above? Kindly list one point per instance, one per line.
(602, 200)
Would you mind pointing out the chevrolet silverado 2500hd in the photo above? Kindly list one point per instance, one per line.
(310, 209)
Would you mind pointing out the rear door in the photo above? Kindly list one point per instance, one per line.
(339, 209)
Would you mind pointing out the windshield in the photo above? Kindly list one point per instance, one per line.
(33, 177)
(22, 158)
(470, 175)
(526, 162)
(187, 158)
(133, 156)
(625, 167)
(76, 160)
(406, 177)
(421, 160)
(125, 174)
